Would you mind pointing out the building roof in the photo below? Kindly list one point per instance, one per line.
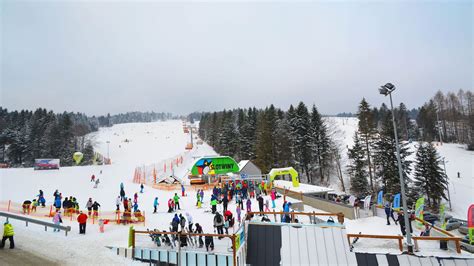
(303, 188)
(242, 164)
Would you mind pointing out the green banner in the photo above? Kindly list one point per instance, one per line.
(419, 209)
(215, 166)
(442, 216)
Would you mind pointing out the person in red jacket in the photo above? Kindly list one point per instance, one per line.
(82, 219)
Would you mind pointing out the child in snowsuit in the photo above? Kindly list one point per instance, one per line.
(249, 205)
(155, 204)
(57, 220)
(267, 204)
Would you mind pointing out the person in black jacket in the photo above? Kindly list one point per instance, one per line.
(260, 204)
(225, 201)
(209, 243)
(95, 207)
(198, 230)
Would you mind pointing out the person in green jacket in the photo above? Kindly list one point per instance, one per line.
(176, 201)
(8, 234)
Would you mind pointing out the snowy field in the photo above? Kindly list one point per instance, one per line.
(138, 144)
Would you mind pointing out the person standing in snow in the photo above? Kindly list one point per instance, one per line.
(8, 233)
(57, 203)
(41, 199)
(135, 207)
(93, 178)
(95, 208)
(213, 204)
(273, 197)
(183, 191)
(225, 201)
(118, 201)
(182, 222)
(202, 195)
(89, 206)
(389, 212)
(176, 201)
(260, 204)
(239, 201)
(141, 188)
(237, 211)
(57, 220)
(97, 181)
(122, 194)
(190, 221)
(219, 223)
(267, 205)
(197, 197)
(155, 204)
(249, 205)
(82, 220)
(199, 231)
(125, 204)
(175, 223)
(135, 198)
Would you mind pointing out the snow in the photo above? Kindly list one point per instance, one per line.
(138, 144)
(303, 188)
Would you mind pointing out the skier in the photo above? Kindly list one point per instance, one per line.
(57, 220)
(198, 195)
(93, 178)
(89, 206)
(141, 188)
(97, 181)
(8, 233)
(182, 191)
(260, 204)
(95, 208)
(82, 220)
(176, 201)
(249, 205)
(219, 223)
(118, 201)
(155, 204)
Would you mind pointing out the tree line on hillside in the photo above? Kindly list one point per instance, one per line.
(28, 135)
(301, 138)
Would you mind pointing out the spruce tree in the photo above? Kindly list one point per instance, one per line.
(300, 126)
(356, 168)
(319, 144)
(367, 132)
(429, 176)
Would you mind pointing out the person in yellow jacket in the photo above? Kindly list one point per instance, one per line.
(8, 234)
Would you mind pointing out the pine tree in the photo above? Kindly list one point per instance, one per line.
(299, 125)
(386, 158)
(88, 154)
(356, 168)
(282, 141)
(367, 132)
(429, 176)
(319, 143)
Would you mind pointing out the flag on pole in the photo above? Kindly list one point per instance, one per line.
(380, 198)
(419, 207)
(396, 202)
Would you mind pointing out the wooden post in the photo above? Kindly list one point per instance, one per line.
(400, 244)
(458, 246)
(234, 250)
(9, 203)
(349, 240)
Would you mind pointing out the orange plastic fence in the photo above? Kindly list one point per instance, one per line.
(118, 217)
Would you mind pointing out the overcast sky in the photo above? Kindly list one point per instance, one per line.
(99, 57)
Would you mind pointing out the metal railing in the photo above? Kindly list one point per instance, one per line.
(27, 220)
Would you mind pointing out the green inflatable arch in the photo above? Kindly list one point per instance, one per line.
(285, 171)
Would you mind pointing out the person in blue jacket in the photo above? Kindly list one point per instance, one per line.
(286, 208)
(57, 203)
(155, 204)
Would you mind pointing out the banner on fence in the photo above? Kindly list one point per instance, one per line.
(396, 202)
(442, 216)
(380, 198)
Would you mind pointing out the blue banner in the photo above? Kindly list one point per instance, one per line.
(380, 198)
(396, 202)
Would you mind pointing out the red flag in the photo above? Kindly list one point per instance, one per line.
(470, 216)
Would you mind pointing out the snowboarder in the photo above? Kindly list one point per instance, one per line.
(141, 188)
(82, 220)
(176, 201)
(57, 220)
(8, 233)
(155, 204)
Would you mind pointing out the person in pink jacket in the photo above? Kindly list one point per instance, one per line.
(273, 197)
(57, 220)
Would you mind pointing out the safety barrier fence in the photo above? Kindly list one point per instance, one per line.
(399, 238)
(155, 173)
(181, 256)
(28, 220)
(335, 219)
(118, 217)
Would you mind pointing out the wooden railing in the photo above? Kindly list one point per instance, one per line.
(399, 238)
(457, 240)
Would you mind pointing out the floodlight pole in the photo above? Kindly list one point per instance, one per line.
(400, 173)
